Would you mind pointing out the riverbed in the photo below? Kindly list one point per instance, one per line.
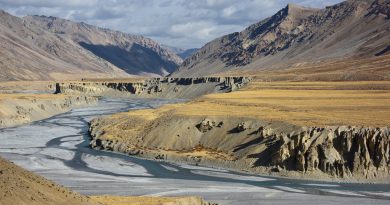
(57, 148)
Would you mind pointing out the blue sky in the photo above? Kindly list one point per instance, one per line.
(179, 23)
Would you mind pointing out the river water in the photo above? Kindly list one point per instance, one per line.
(57, 148)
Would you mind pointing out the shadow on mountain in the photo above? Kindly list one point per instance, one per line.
(132, 61)
(187, 53)
(384, 51)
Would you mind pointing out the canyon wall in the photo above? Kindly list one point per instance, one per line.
(20, 109)
(275, 148)
(155, 87)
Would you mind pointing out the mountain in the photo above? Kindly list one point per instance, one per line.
(353, 29)
(183, 53)
(42, 48)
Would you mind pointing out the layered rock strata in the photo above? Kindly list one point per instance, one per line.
(343, 152)
(156, 87)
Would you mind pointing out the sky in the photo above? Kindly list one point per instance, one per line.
(179, 23)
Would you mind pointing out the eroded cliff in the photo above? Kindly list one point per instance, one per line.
(355, 153)
(324, 130)
(155, 87)
(17, 109)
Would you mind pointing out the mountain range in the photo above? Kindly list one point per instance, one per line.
(296, 35)
(183, 53)
(296, 38)
(40, 48)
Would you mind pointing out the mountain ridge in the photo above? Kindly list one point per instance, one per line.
(296, 34)
(46, 48)
(183, 53)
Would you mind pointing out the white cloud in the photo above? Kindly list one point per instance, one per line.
(50, 3)
(181, 23)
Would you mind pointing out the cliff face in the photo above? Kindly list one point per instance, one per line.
(341, 152)
(20, 109)
(337, 151)
(354, 28)
(157, 87)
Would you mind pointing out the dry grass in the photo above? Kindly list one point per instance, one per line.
(344, 69)
(303, 103)
(15, 86)
(203, 152)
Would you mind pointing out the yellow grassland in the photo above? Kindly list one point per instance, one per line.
(299, 103)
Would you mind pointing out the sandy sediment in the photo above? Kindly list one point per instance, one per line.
(18, 186)
(17, 109)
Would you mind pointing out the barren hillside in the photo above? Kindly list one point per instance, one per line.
(18, 186)
(41, 48)
(349, 30)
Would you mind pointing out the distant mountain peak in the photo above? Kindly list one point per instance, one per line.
(295, 8)
(298, 11)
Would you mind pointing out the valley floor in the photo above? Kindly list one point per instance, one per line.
(57, 148)
(243, 130)
(27, 102)
(215, 130)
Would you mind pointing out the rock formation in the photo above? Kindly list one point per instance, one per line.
(338, 151)
(343, 152)
(156, 87)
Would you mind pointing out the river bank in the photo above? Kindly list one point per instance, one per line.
(19, 109)
(58, 149)
(29, 147)
(305, 130)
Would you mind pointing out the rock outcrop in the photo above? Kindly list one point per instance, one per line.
(343, 152)
(337, 151)
(156, 87)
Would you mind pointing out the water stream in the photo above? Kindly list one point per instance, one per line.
(57, 148)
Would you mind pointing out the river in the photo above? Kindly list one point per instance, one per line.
(57, 148)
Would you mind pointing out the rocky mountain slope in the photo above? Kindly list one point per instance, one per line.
(351, 29)
(184, 54)
(38, 47)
